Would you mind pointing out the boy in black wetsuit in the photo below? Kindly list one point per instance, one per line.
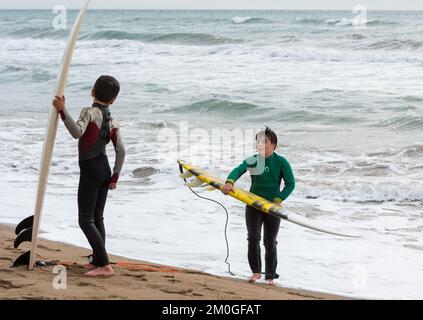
(94, 129)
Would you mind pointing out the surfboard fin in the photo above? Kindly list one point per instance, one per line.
(186, 175)
(25, 235)
(195, 183)
(22, 260)
(24, 224)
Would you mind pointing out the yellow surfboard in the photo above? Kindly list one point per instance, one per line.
(251, 199)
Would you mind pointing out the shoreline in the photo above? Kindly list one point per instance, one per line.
(133, 279)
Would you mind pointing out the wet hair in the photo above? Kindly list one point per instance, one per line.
(270, 134)
(106, 88)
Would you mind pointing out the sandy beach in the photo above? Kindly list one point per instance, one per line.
(138, 280)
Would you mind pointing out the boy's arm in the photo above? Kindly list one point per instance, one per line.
(120, 153)
(76, 129)
(237, 173)
(289, 180)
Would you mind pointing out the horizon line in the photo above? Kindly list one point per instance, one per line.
(212, 9)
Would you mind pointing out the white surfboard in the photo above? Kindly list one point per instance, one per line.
(50, 135)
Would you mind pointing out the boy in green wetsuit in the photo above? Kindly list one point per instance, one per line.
(267, 170)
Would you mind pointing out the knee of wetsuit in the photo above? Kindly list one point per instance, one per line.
(98, 219)
(270, 244)
(84, 220)
(253, 238)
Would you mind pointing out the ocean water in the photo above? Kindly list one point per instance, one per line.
(346, 103)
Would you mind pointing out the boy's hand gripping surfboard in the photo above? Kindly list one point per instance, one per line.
(27, 229)
(251, 199)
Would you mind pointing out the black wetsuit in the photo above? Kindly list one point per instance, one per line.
(94, 182)
(254, 219)
(94, 129)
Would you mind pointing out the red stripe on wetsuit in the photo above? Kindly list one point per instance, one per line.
(89, 138)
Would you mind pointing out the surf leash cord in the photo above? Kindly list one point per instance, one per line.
(226, 223)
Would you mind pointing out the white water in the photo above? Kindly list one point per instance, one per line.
(346, 104)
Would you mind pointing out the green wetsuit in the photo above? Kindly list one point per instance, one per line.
(267, 184)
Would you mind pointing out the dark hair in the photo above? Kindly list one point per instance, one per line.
(106, 88)
(270, 134)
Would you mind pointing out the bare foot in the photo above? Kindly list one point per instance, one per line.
(106, 271)
(271, 282)
(89, 266)
(254, 277)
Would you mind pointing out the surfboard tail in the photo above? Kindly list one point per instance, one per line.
(299, 220)
(303, 223)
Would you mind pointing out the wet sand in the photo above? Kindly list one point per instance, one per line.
(139, 280)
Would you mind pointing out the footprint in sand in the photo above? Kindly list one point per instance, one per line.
(6, 259)
(6, 271)
(154, 286)
(86, 284)
(48, 249)
(229, 292)
(132, 275)
(175, 281)
(83, 284)
(172, 279)
(140, 277)
(207, 288)
(5, 284)
(187, 292)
